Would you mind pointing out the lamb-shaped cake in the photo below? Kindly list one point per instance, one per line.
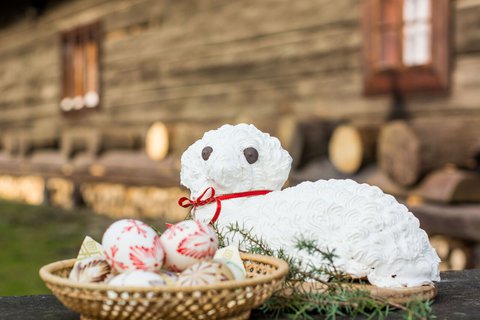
(371, 234)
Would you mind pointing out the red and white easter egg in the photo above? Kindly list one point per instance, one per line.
(132, 245)
(187, 243)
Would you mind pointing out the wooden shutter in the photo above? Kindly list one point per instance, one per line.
(387, 68)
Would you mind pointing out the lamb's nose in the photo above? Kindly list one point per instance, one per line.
(216, 169)
(219, 168)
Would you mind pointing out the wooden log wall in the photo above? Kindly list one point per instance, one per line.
(187, 71)
(205, 63)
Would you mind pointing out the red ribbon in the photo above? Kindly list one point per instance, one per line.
(201, 200)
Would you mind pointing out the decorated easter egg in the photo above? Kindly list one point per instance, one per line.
(203, 273)
(188, 242)
(94, 269)
(132, 245)
(137, 278)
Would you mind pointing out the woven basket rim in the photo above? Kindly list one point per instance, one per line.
(282, 270)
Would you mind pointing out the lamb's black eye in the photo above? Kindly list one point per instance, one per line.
(206, 152)
(251, 154)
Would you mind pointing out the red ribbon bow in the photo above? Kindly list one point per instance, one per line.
(201, 200)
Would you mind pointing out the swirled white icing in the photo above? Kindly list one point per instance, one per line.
(371, 234)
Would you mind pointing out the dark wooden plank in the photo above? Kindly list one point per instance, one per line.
(458, 295)
(39, 307)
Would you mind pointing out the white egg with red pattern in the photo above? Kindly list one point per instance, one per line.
(187, 243)
(132, 245)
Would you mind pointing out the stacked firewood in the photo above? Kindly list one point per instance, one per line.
(429, 164)
(121, 172)
(455, 254)
(60, 192)
(28, 189)
(118, 201)
(428, 159)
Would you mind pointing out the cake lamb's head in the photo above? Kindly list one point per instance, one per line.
(235, 159)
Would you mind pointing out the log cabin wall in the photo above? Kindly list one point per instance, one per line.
(213, 62)
(193, 61)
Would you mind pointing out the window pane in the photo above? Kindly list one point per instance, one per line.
(416, 44)
(91, 94)
(415, 10)
(423, 9)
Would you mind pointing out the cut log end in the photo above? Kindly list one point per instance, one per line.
(441, 245)
(289, 134)
(157, 141)
(352, 147)
(398, 153)
(345, 149)
(458, 259)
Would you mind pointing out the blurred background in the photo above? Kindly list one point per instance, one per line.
(99, 98)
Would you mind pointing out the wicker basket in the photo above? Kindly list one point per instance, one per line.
(225, 300)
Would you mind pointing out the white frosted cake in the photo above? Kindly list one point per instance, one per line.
(372, 235)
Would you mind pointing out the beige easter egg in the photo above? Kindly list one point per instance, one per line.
(203, 273)
(89, 270)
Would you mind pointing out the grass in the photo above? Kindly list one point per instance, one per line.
(32, 236)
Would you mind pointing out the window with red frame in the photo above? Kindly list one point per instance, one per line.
(80, 49)
(406, 46)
